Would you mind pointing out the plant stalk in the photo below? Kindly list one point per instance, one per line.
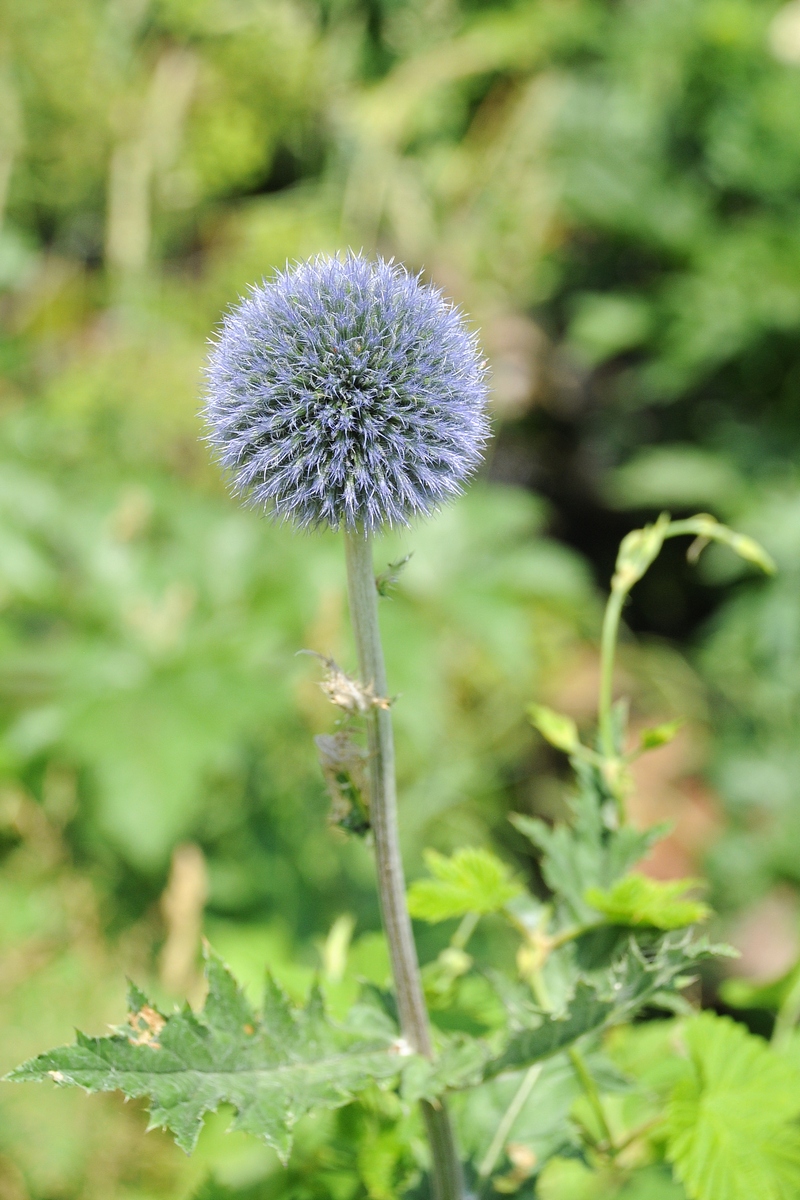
(590, 1091)
(576, 1058)
(363, 598)
(507, 1122)
(608, 646)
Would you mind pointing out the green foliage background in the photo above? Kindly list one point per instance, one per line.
(611, 189)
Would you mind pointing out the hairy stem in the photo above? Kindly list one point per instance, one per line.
(363, 597)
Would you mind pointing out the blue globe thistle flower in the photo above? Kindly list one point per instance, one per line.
(345, 392)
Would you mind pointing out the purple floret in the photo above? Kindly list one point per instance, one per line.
(345, 392)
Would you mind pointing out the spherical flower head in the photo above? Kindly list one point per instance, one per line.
(346, 392)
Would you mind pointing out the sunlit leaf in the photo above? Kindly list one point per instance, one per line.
(560, 731)
(472, 880)
(638, 900)
(732, 1123)
(272, 1066)
(659, 735)
(588, 852)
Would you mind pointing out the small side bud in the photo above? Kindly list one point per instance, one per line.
(749, 549)
(659, 735)
(637, 551)
(708, 528)
(560, 731)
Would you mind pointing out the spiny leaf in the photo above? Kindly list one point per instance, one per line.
(461, 1063)
(587, 1011)
(637, 900)
(732, 1123)
(473, 880)
(616, 995)
(558, 730)
(272, 1067)
(587, 853)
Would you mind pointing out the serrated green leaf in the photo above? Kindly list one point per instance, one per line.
(587, 1011)
(732, 1123)
(587, 853)
(616, 995)
(472, 880)
(461, 1063)
(638, 900)
(560, 731)
(271, 1066)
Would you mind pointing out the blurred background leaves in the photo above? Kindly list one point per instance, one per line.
(611, 189)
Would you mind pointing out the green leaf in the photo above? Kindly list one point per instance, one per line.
(460, 1063)
(555, 728)
(473, 880)
(659, 735)
(743, 993)
(272, 1067)
(637, 900)
(731, 1124)
(588, 1010)
(588, 853)
(386, 580)
(616, 995)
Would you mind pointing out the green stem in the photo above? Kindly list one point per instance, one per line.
(363, 597)
(569, 935)
(507, 1122)
(540, 991)
(591, 1092)
(634, 1135)
(608, 645)
(465, 930)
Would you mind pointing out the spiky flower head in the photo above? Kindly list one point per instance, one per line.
(346, 392)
